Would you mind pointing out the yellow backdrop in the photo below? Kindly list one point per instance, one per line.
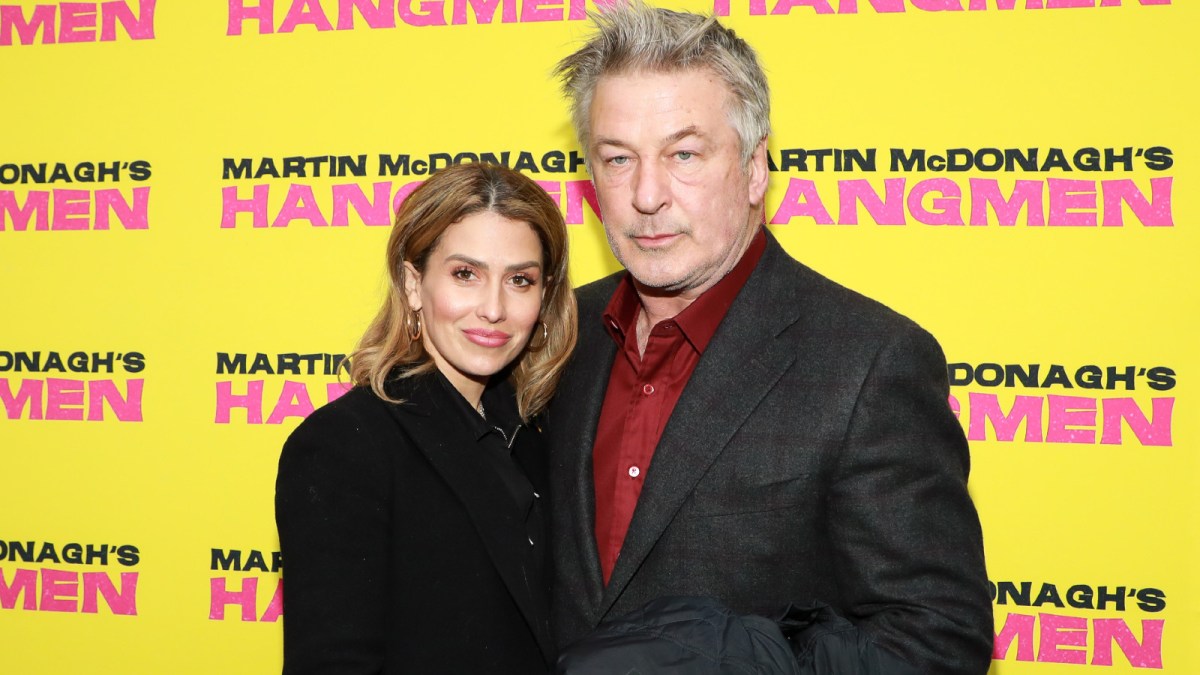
(193, 207)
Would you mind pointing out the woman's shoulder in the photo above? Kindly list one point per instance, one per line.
(357, 406)
(346, 442)
(357, 415)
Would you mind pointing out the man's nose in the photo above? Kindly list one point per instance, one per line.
(651, 189)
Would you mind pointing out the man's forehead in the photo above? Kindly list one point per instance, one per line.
(616, 107)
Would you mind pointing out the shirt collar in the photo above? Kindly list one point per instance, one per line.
(499, 403)
(698, 322)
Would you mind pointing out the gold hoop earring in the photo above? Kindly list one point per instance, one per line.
(412, 323)
(545, 338)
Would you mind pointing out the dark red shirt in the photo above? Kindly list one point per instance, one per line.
(642, 392)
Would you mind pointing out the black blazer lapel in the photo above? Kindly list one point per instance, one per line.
(571, 428)
(742, 363)
(427, 421)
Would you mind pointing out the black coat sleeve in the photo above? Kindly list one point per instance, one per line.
(332, 505)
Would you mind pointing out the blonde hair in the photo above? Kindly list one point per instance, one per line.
(387, 348)
(633, 37)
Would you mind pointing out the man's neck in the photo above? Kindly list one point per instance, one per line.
(656, 309)
(658, 306)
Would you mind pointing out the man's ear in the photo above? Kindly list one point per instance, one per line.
(758, 174)
(412, 286)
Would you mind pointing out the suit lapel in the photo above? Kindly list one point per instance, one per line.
(427, 420)
(573, 432)
(742, 363)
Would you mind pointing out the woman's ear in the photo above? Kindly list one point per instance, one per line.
(412, 286)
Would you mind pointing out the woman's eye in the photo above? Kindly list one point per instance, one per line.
(521, 281)
(463, 274)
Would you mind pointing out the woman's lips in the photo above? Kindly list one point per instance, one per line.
(487, 338)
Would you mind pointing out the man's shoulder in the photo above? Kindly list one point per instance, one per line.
(791, 286)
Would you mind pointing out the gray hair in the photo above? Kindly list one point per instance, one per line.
(632, 36)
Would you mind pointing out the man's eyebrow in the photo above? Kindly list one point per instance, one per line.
(604, 140)
(683, 133)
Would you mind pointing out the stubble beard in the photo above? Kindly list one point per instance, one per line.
(653, 268)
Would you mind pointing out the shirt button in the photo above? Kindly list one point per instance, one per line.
(634, 472)
(536, 496)
(647, 389)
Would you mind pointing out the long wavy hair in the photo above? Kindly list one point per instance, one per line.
(387, 348)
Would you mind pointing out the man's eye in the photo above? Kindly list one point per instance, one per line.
(619, 160)
(684, 155)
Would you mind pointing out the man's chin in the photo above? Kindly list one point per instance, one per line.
(660, 282)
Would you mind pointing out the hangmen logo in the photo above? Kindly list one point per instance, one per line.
(72, 203)
(69, 22)
(1059, 417)
(328, 15)
(960, 199)
(252, 566)
(319, 201)
(37, 587)
(784, 7)
(1054, 634)
(45, 397)
(287, 399)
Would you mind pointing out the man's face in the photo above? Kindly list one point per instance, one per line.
(679, 205)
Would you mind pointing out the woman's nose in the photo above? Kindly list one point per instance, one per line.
(491, 303)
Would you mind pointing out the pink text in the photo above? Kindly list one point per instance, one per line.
(293, 400)
(68, 22)
(1056, 202)
(1065, 419)
(262, 207)
(77, 400)
(61, 210)
(245, 598)
(51, 590)
(262, 18)
(1065, 639)
(784, 7)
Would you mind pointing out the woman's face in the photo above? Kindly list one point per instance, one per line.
(479, 297)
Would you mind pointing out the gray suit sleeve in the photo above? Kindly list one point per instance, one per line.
(907, 541)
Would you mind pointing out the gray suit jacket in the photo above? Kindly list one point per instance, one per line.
(812, 456)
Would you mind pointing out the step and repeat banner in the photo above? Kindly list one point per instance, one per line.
(195, 197)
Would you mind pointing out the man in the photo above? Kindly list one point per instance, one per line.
(733, 424)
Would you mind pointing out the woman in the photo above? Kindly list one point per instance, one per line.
(410, 510)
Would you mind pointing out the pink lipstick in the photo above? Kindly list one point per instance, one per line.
(487, 338)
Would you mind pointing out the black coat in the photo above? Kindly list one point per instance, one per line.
(397, 555)
(700, 636)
